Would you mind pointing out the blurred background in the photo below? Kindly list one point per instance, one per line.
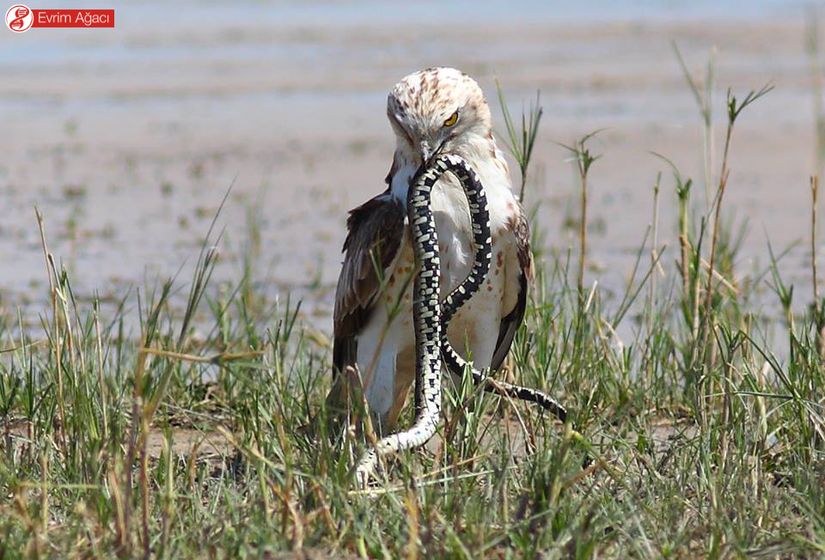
(128, 139)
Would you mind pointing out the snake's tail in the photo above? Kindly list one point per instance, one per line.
(458, 365)
(523, 393)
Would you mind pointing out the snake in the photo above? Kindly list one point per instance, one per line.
(431, 318)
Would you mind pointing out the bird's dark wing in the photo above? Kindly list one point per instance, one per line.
(375, 233)
(511, 322)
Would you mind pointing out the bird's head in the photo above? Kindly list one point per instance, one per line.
(437, 110)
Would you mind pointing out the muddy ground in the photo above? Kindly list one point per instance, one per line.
(127, 139)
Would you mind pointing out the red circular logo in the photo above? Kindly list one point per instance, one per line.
(19, 18)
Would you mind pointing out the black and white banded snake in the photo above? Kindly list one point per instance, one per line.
(431, 317)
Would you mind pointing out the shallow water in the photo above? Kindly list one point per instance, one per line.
(127, 139)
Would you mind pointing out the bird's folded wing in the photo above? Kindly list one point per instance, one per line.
(511, 322)
(375, 233)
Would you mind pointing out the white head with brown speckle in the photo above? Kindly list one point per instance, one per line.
(437, 110)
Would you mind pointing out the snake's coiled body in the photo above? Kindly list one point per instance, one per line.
(483, 241)
(431, 319)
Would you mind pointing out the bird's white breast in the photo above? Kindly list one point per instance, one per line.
(386, 346)
(452, 217)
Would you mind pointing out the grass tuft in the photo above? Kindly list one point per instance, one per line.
(184, 431)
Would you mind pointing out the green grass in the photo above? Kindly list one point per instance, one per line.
(687, 439)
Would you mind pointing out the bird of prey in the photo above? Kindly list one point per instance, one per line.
(432, 111)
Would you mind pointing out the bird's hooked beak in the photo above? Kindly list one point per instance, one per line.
(425, 151)
(427, 155)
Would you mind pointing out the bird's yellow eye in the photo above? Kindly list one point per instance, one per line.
(452, 120)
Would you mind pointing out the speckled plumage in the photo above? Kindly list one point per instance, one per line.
(373, 314)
